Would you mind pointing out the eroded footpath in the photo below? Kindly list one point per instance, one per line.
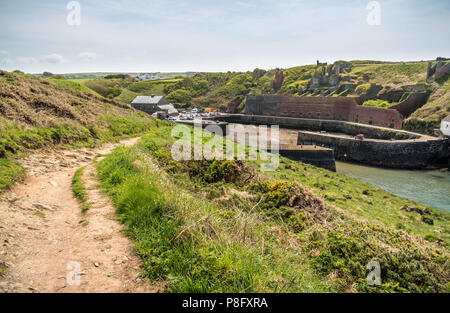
(49, 245)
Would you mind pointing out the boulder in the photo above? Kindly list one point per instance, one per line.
(258, 73)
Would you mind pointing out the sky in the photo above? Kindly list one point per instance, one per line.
(215, 35)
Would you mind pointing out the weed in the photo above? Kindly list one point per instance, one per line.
(78, 188)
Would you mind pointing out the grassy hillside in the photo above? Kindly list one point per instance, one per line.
(224, 226)
(427, 118)
(37, 112)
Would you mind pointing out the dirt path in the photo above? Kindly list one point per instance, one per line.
(45, 239)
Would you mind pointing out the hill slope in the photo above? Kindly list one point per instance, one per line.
(37, 112)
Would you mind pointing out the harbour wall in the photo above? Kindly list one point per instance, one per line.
(384, 147)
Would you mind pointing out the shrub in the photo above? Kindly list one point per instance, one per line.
(180, 96)
(362, 89)
(402, 268)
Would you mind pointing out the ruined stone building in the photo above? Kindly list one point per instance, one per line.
(327, 108)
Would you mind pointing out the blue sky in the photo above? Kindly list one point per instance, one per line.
(215, 35)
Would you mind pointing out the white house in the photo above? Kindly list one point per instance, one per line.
(145, 76)
(445, 126)
(148, 76)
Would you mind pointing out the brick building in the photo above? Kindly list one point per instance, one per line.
(328, 108)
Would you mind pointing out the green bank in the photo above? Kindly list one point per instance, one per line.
(225, 226)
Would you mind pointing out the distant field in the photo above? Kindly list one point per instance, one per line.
(79, 80)
(95, 75)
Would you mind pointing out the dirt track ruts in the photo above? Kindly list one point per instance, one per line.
(43, 231)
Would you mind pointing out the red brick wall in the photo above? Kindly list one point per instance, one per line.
(338, 108)
(376, 116)
(411, 104)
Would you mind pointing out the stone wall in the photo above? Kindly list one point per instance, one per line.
(147, 108)
(323, 158)
(329, 108)
(382, 146)
(442, 69)
(411, 104)
(349, 128)
(394, 154)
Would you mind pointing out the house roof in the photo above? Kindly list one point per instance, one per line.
(447, 119)
(147, 99)
(166, 107)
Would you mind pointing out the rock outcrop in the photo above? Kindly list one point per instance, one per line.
(233, 104)
(278, 81)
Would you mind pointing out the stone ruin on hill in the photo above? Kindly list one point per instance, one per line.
(329, 74)
(278, 81)
(438, 70)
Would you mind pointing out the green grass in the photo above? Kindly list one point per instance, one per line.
(10, 172)
(15, 137)
(213, 226)
(16, 141)
(392, 74)
(126, 96)
(78, 80)
(78, 188)
(149, 87)
(378, 103)
(186, 241)
(77, 85)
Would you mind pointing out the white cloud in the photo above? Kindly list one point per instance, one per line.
(88, 56)
(3, 52)
(53, 58)
(27, 60)
(245, 4)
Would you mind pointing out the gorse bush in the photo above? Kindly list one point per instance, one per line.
(291, 203)
(229, 171)
(403, 268)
